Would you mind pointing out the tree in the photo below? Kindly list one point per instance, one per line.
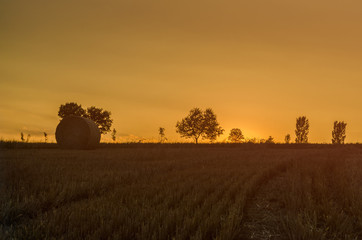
(270, 140)
(235, 136)
(302, 130)
(287, 139)
(28, 138)
(101, 117)
(199, 124)
(45, 136)
(71, 109)
(114, 132)
(253, 140)
(22, 137)
(212, 127)
(161, 132)
(339, 132)
(192, 125)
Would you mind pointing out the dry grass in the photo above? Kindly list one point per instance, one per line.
(324, 199)
(179, 192)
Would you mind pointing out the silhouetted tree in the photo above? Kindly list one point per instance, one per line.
(235, 136)
(212, 127)
(339, 132)
(199, 124)
(45, 136)
(28, 138)
(270, 140)
(287, 139)
(161, 132)
(22, 137)
(71, 109)
(101, 117)
(253, 140)
(114, 132)
(302, 130)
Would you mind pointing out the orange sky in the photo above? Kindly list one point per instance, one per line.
(259, 64)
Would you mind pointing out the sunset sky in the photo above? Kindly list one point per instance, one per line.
(258, 64)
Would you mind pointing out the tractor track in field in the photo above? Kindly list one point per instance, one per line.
(262, 208)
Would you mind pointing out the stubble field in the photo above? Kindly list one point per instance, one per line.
(182, 192)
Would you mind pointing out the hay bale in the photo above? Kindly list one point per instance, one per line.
(77, 133)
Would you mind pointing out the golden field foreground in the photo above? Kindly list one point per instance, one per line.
(180, 191)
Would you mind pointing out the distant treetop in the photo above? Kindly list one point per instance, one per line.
(71, 109)
(236, 136)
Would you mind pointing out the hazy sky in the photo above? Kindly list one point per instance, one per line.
(258, 63)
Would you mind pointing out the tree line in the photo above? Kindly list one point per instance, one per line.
(198, 124)
(205, 125)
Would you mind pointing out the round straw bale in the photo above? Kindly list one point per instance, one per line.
(77, 132)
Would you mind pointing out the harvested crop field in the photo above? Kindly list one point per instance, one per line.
(182, 192)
